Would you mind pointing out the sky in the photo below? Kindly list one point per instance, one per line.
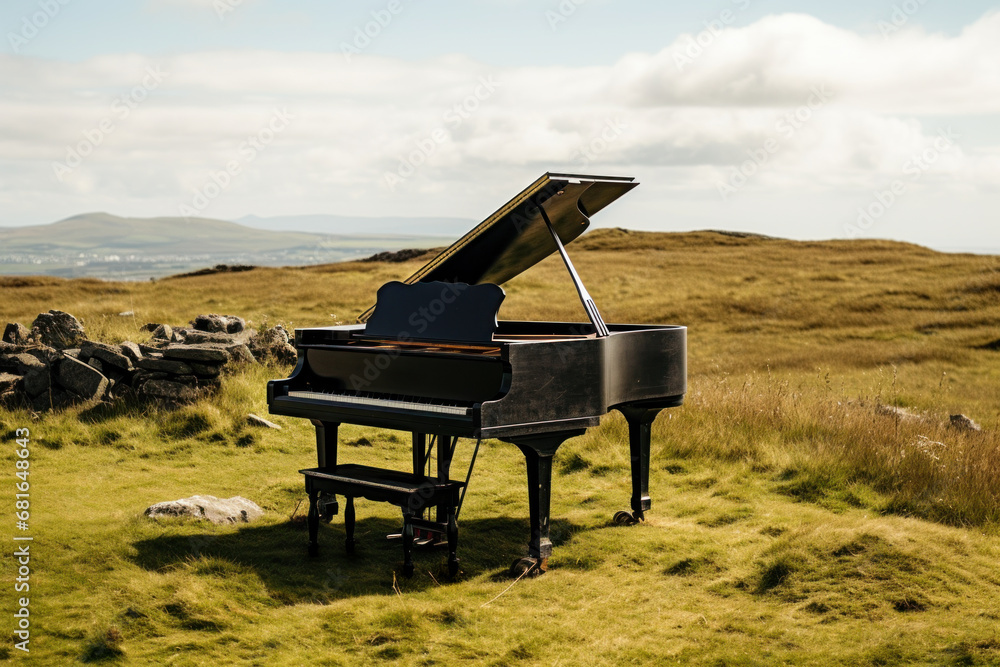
(803, 120)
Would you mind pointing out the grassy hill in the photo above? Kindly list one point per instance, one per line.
(104, 245)
(797, 519)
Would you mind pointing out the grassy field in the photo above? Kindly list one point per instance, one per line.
(796, 518)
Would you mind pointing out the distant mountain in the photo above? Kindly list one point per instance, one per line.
(453, 228)
(107, 246)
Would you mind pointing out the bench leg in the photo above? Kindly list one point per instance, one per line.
(313, 523)
(349, 525)
(408, 543)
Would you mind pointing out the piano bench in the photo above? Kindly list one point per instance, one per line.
(411, 493)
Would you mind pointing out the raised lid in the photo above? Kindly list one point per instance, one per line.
(515, 237)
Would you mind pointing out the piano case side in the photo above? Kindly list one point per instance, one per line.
(553, 386)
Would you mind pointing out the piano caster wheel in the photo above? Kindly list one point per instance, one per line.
(313, 550)
(527, 567)
(408, 570)
(623, 518)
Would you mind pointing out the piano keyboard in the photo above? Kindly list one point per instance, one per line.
(394, 401)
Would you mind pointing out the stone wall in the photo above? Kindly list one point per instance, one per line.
(54, 365)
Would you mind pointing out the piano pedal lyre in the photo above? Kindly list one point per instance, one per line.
(328, 507)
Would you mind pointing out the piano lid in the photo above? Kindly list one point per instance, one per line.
(516, 236)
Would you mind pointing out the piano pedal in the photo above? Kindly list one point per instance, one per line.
(422, 538)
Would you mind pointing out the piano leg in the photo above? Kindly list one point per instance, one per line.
(349, 525)
(326, 457)
(446, 450)
(326, 443)
(313, 522)
(538, 451)
(640, 423)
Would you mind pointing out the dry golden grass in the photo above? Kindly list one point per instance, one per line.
(793, 346)
(795, 520)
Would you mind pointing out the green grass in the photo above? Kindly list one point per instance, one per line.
(792, 523)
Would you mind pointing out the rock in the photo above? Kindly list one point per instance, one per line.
(164, 365)
(44, 354)
(963, 423)
(200, 352)
(9, 382)
(37, 381)
(58, 329)
(19, 363)
(16, 334)
(273, 343)
(902, 414)
(72, 352)
(164, 332)
(126, 313)
(240, 354)
(63, 399)
(113, 358)
(149, 326)
(131, 350)
(255, 420)
(9, 398)
(206, 370)
(219, 323)
(142, 376)
(87, 348)
(96, 365)
(26, 362)
(192, 336)
(152, 351)
(172, 391)
(42, 402)
(81, 379)
(216, 510)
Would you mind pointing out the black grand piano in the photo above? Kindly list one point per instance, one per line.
(431, 358)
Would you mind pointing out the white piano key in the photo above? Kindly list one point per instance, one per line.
(350, 399)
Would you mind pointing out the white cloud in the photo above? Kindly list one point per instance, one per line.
(354, 121)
